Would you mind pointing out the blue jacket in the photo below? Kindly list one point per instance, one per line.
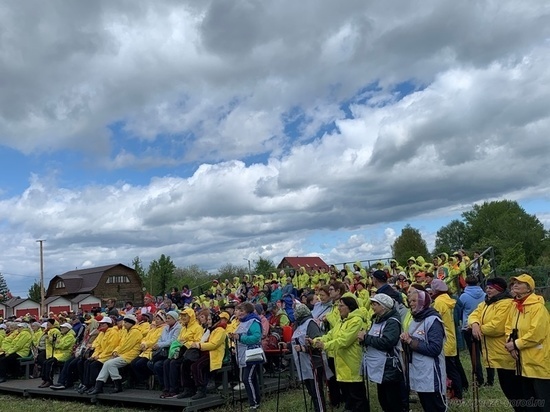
(470, 299)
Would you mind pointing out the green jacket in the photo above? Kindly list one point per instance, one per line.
(21, 344)
(341, 341)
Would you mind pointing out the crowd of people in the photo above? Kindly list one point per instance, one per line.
(396, 326)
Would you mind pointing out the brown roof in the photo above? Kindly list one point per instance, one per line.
(83, 280)
(309, 262)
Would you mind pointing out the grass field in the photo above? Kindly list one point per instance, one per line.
(491, 399)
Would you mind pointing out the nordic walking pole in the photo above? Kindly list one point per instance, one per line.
(297, 342)
(239, 371)
(366, 382)
(279, 377)
(475, 394)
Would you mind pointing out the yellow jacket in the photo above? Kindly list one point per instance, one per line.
(52, 334)
(36, 337)
(63, 346)
(144, 328)
(445, 305)
(2, 336)
(215, 345)
(107, 344)
(193, 331)
(149, 340)
(342, 342)
(21, 344)
(128, 348)
(533, 336)
(492, 321)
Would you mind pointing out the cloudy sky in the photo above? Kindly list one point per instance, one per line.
(215, 131)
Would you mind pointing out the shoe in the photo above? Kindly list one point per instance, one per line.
(45, 384)
(58, 387)
(164, 394)
(118, 385)
(98, 388)
(2, 380)
(82, 389)
(187, 393)
(254, 408)
(239, 387)
(201, 394)
(170, 396)
(211, 386)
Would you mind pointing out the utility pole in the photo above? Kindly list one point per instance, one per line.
(42, 308)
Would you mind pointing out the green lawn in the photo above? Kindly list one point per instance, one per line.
(491, 399)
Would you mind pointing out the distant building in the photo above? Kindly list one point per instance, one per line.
(86, 288)
(309, 262)
(20, 307)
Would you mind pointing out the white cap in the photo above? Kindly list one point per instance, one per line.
(44, 325)
(2, 326)
(106, 319)
(66, 325)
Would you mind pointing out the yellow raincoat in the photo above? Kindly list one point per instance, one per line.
(445, 305)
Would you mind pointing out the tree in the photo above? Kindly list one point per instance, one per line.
(409, 243)
(161, 275)
(4, 290)
(507, 227)
(450, 238)
(34, 292)
(264, 266)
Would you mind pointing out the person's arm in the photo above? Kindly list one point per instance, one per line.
(217, 338)
(347, 335)
(433, 345)
(253, 336)
(497, 324)
(538, 329)
(389, 338)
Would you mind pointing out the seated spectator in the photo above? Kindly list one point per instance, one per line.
(126, 351)
(169, 334)
(59, 346)
(212, 347)
(19, 347)
(191, 331)
(139, 369)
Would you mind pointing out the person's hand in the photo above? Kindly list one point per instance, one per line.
(515, 354)
(361, 335)
(405, 337)
(510, 346)
(155, 347)
(195, 345)
(476, 331)
(319, 344)
(115, 354)
(298, 348)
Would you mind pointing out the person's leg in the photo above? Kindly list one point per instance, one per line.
(432, 401)
(463, 378)
(358, 396)
(511, 386)
(454, 376)
(185, 376)
(381, 393)
(250, 380)
(528, 394)
(165, 381)
(542, 394)
(158, 370)
(334, 389)
(392, 401)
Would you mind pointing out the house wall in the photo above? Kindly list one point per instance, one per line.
(27, 307)
(110, 286)
(58, 309)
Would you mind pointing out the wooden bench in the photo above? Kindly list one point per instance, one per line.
(27, 362)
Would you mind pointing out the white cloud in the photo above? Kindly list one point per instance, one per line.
(172, 84)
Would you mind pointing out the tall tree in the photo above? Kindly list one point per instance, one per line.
(450, 238)
(506, 226)
(264, 266)
(4, 290)
(34, 292)
(161, 275)
(409, 243)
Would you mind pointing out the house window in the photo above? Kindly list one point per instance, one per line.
(118, 279)
(60, 284)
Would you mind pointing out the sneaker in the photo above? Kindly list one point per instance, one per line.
(171, 396)
(254, 408)
(239, 387)
(58, 387)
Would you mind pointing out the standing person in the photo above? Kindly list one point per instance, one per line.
(343, 343)
(383, 353)
(529, 342)
(488, 322)
(248, 336)
(424, 339)
(322, 308)
(473, 296)
(309, 362)
(445, 304)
